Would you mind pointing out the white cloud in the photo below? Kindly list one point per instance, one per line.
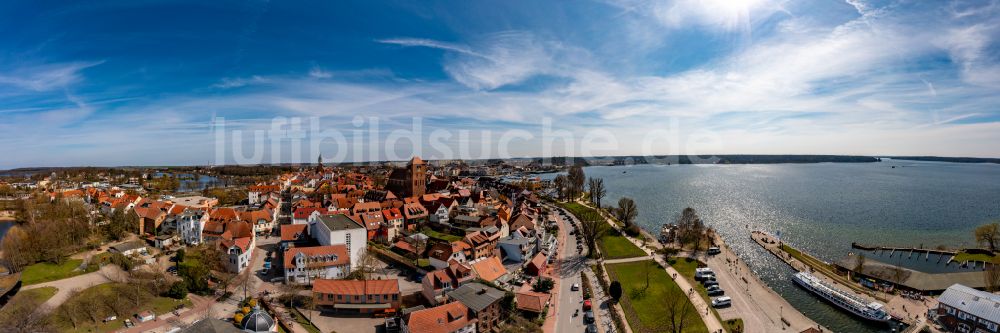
(46, 77)
(227, 83)
(319, 73)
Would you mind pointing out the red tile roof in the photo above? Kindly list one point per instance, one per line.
(489, 269)
(531, 301)
(356, 287)
(292, 232)
(445, 318)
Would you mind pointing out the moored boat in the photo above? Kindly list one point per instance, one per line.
(860, 307)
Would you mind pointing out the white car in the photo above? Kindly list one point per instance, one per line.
(720, 302)
(575, 287)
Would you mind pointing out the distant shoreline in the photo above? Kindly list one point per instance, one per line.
(586, 161)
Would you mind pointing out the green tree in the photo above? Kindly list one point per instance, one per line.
(543, 284)
(178, 290)
(615, 290)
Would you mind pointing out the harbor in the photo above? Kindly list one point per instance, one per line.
(906, 312)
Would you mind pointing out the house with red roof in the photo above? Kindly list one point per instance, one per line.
(357, 296)
(393, 226)
(438, 282)
(453, 317)
(306, 264)
(442, 254)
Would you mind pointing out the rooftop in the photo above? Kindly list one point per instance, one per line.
(476, 296)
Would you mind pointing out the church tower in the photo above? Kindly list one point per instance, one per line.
(418, 174)
(319, 164)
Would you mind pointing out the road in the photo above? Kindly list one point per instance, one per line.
(569, 266)
(752, 300)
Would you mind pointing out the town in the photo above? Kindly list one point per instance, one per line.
(413, 246)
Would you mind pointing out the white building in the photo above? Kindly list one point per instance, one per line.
(240, 250)
(190, 224)
(340, 229)
(305, 264)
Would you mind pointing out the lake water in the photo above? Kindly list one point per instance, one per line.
(820, 208)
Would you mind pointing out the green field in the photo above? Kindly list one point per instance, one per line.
(647, 310)
(45, 272)
(965, 256)
(615, 246)
(686, 267)
(99, 294)
(39, 294)
(440, 235)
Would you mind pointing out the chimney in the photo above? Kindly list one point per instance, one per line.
(481, 291)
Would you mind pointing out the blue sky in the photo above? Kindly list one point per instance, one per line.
(140, 82)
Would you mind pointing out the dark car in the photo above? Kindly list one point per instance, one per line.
(588, 317)
(591, 328)
(710, 283)
(715, 291)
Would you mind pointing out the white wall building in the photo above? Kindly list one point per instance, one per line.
(305, 264)
(340, 229)
(190, 224)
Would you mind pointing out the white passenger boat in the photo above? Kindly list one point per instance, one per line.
(873, 311)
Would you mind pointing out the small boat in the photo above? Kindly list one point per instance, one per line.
(860, 307)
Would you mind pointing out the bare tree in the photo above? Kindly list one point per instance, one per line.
(597, 190)
(627, 211)
(679, 309)
(992, 275)
(24, 314)
(988, 235)
(594, 227)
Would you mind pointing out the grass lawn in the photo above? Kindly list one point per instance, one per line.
(617, 247)
(45, 272)
(686, 267)
(733, 325)
(965, 256)
(158, 305)
(39, 294)
(302, 320)
(646, 311)
(439, 235)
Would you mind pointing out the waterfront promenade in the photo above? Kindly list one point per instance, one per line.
(911, 312)
(753, 301)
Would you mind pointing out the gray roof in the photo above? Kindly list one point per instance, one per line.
(476, 296)
(517, 241)
(211, 325)
(975, 302)
(128, 246)
(339, 222)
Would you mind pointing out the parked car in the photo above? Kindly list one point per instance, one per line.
(587, 305)
(721, 302)
(710, 283)
(713, 250)
(715, 291)
(128, 323)
(575, 287)
(588, 317)
(110, 318)
(591, 328)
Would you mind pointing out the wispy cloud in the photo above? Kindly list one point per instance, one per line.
(44, 77)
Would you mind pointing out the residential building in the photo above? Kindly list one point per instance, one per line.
(441, 254)
(340, 229)
(305, 264)
(531, 302)
(190, 225)
(129, 248)
(393, 224)
(448, 318)
(240, 250)
(363, 296)
(490, 269)
(256, 193)
(438, 282)
(483, 302)
(964, 309)
(483, 242)
(293, 235)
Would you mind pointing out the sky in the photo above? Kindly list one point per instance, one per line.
(106, 83)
